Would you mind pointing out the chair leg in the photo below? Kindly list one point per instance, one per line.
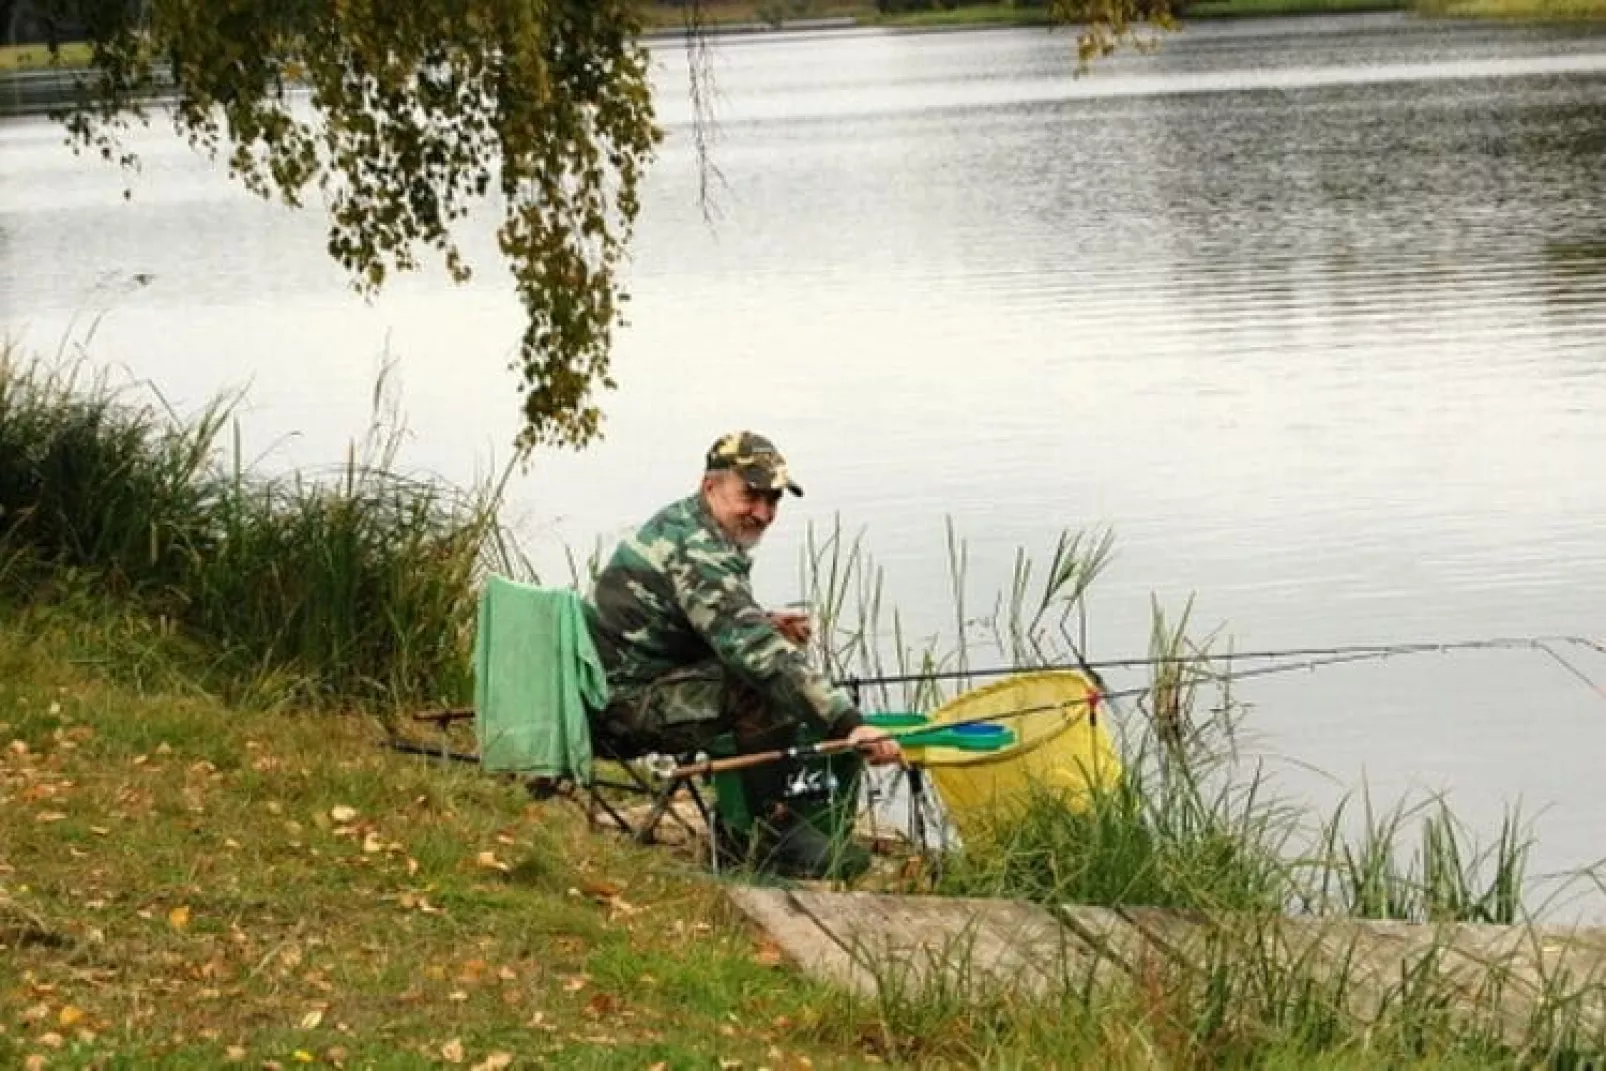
(662, 804)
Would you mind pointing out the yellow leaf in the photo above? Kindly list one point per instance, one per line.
(495, 1062)
(302, 1056)
(371, 844)
(178, 918)
(311, 1020)
(343, 813)
(452, 1051)
(69, 1015)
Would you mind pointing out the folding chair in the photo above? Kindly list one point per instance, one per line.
(637, 771)
(537, 682)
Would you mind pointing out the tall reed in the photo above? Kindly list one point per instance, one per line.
(1192, 824)
(355, 587)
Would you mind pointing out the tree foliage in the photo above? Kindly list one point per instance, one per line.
(401, 114)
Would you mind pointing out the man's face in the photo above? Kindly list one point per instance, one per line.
(742, 513)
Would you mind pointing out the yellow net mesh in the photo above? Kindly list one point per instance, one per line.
(1061, 746)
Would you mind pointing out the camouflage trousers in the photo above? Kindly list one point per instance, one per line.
(684, 710)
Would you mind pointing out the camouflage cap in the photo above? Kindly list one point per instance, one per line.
(753, 458)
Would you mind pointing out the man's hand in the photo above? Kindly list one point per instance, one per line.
(879, 748)
(793, 625)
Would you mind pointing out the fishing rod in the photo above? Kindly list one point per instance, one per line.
(1352, 652)
(835, 747)
(1315, 658)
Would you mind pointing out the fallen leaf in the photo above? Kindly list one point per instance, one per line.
(234, 1053)
(661, 1065)
(457, 996)
(69, 1015)
(51, 1040)
(452, 1051)
(495, 1062)
(412, 866)
(178, 918)
(34, 1062)
(230, 842)
(489, 861)
(575, 984)
(372, 844)
(302, 1056)
(601, 1004)
(37, 1013)
(601, 890)
(342, 813)
(312, 1019)
(163, 749)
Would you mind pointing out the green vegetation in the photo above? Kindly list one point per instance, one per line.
(1226, 9)
(358, 587)
(194, 873)
(35, 57)
(1527, 10)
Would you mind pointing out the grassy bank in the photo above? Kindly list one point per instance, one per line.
(35, 57)
(1256, 9)
(351, 586)
(1524, 10)
(185, 883)
(200, 865)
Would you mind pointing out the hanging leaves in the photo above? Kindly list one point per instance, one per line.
(401, 117)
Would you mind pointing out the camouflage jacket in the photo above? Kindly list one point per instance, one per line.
(679, 592)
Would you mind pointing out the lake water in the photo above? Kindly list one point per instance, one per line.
(1311, 312)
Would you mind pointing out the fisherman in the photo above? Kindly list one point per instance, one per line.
(691, 655)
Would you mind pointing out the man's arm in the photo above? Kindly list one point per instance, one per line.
(712, 590)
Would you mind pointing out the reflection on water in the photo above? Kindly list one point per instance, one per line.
(1312, 311)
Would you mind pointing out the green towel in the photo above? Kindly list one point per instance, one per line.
(535, 673)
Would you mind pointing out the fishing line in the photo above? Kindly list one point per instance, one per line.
(1352, 652)
(1574, 670)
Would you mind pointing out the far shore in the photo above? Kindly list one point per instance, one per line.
(744, 17)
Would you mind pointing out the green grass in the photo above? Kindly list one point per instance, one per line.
(177, 878)
(1526, 10)
(357, 586)
(967, 15)
(35, 57)
(185, 883)
(1213, 9)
